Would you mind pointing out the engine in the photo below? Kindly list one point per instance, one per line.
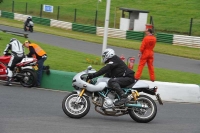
(109, 100)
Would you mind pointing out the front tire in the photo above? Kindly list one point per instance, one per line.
(144, 115)
(31, 29)
(29, 78)
(73, 109)
(25, 28)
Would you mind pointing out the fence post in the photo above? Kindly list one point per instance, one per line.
(75, 16)
(150, 19)
(191, 21)
(41, 10)
(151, 22)
(26, 8)
(13, 3)
(95, 21)
(58, 12)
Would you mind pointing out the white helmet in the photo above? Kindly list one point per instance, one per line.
(11, 40)
(107, 54)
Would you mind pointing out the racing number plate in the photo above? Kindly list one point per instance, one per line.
(35, 67)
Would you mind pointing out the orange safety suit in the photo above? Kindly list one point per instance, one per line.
(146, 49)
(38, 50)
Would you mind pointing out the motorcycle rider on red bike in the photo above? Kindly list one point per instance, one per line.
(17, 54)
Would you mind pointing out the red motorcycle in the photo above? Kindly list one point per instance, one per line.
(24, 72)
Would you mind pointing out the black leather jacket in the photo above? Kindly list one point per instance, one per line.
(115, 68)
(27, 21)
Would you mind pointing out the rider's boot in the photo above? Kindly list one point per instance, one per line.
(47, 70)
(8, 83)
(123, 97)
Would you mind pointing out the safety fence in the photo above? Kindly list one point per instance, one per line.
(183, 40)
(95, 14)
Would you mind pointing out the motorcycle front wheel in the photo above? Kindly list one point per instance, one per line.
(31, 29)
(29, 78)
(146, 114)
(25, 28)
(75, 106)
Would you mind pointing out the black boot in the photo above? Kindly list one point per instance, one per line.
(123, 97)
(47, 70)
(8, 83)
(122, 101)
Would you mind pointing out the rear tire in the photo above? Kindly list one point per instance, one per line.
(138, 114)
(75, 110)
(29, 79)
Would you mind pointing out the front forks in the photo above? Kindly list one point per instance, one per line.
(80, 94)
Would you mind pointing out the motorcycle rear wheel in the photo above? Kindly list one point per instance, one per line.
(143, 115)
(73, 109)
(29, 79)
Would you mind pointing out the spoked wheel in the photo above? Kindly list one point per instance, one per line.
(29, 78)
(147, 112)
(75, 106)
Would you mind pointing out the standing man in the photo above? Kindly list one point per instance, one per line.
(38, 53)
(146, 55)
(17, 54)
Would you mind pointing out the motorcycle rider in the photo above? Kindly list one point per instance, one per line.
(27, 21)
(17, 54)
(115, 69)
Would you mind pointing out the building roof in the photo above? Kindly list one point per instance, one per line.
(132, 10)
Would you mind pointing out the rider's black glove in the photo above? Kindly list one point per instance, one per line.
(90, 75)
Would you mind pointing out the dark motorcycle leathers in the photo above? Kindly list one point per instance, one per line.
(27, 21)
(120, 75)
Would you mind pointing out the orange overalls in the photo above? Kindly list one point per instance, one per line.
(146, 49)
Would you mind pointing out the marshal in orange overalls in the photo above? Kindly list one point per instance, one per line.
(147, 55)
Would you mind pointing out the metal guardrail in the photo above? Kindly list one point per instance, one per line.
(16, 33)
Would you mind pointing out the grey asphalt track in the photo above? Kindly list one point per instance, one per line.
(31, 110)
(161, 60)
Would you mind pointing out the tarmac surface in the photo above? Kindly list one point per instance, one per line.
(31, 110)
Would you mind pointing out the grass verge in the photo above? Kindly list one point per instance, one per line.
(187, 52)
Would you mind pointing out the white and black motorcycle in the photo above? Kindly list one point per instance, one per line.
(29, 26)
(140, 107)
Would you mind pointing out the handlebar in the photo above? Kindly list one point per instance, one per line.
(7, 54)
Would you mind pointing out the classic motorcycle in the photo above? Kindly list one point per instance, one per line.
(29, 27)
(140, 107)
(24, 72)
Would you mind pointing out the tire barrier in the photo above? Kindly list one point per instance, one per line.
(177, 92)
(172, 92)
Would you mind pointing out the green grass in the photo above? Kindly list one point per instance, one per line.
(73, 61)
(187, 52)
(168, 15)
